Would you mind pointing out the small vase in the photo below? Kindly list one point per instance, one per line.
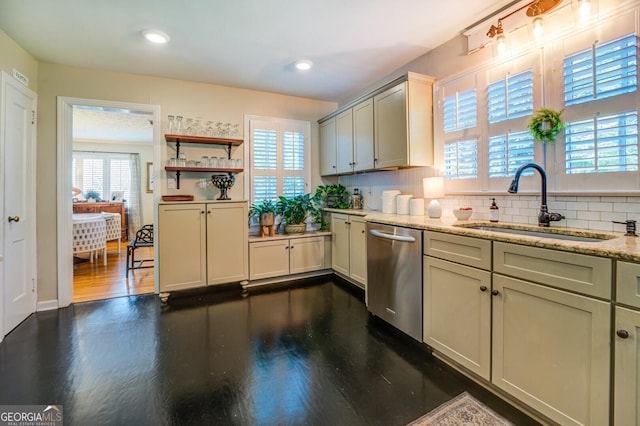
(267, 219)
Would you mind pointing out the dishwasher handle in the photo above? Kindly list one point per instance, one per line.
(404, 238)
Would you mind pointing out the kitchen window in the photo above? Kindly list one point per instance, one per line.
(278, 158)
(600, 94)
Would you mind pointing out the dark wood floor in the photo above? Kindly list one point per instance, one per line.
(302, 355)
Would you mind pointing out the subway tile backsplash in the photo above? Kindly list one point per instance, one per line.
(585, 212)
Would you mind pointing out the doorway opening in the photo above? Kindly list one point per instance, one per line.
(106, 150)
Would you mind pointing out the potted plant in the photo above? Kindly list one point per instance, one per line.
(335, 196)
(92, 196)
(296, 210)
(265, 211)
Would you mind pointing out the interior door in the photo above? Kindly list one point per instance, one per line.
(18, 146)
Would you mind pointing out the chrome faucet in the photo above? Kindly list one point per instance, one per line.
(544, 217)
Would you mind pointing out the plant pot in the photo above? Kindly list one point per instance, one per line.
(267, 219)
(295, 228)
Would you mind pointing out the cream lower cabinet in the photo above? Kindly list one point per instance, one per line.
(349, 247)
(457, 299)
(626, 401)
(201, 244)
(552, 348)
(274, 258)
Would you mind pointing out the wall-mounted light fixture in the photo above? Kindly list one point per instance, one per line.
(535, 10)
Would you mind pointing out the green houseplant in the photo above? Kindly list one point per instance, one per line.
(296, 210)
(335, 196)
(265, 211)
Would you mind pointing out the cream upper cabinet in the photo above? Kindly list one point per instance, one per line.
(328, 147)
(363, 136)
(404, 124)
(349, 247)
(344, 141)
(627, 367)
(551, 350)
(227, 235)
(182, 246)
(202, 244)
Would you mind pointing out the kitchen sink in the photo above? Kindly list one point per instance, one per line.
(558, 234)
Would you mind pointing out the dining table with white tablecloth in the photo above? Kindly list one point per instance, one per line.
(91, 232)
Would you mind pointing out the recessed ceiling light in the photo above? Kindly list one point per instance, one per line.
(155, 36)
(303, 64)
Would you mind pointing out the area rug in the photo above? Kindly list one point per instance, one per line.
(463, 410)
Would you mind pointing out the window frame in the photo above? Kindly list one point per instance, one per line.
(279, 125)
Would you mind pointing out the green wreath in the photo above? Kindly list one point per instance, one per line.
(545, 125)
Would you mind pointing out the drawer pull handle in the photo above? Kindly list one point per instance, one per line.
(483, 288)
(624, 334)
(495, 292)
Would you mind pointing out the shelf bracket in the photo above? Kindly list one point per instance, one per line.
(177, 179)
(229, 151)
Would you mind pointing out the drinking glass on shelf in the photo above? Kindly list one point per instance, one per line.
(182, 160)
(173, 162)
(219, 125)
(235, 132)
(204, 161)
(213, 162)
(179, 124)
(171, 124)
(209, 125)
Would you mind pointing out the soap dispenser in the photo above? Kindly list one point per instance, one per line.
(494, 211)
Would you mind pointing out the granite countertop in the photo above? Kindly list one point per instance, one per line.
(618, 247)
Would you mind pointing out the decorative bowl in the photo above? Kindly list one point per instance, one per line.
(463, 214)
(223, 183)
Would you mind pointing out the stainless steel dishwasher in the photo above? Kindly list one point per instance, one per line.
(394, 275)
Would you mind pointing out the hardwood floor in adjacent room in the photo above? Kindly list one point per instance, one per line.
(94, 281)
(308, 354)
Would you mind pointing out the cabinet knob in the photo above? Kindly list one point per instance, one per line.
(623, 334)
(333, 167)
(495, 292)
(286, 248)
(483, 288)
(363, 231)
(291, 247)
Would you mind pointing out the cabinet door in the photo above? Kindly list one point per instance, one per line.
(306, 254)
(627, 368)
(340, 243)
(344, 141)
(358, 250)
(328, 165)
(551, 350)
(628, 283)
(390, 109)
(363, 136)
(227, 243)
(268, 259)
(457, 313)
(181, 237)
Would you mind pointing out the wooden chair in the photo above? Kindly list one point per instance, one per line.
(143, 238)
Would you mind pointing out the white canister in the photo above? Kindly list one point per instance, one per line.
(416, 207)
(389, 201)
(402, 202)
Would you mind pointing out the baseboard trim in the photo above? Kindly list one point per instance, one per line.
(47, 305)
(247, 285)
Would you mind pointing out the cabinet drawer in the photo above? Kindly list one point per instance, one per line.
(468, 251)
(628, 284)
(581, 273)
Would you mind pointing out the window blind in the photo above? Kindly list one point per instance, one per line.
(602, 71)
(508, 152)
(511, 97)
(103, 172)
(602, 144)
(460, 111)
(461, 159)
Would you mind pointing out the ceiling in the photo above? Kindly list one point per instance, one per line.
(243, 43)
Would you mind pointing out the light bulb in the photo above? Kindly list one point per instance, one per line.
(155, 36)
(585, 8)
(304, 64)
(537, 27)
(502, 48)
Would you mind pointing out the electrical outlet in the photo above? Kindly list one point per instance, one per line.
(171, 183)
